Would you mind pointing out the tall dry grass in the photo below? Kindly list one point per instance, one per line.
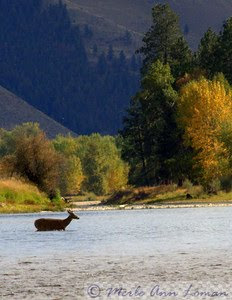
(20, 196)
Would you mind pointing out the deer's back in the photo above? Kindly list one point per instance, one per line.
(49, 224)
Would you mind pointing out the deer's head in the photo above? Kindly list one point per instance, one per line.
(72, 215)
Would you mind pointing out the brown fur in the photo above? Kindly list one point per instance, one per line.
(54, 224)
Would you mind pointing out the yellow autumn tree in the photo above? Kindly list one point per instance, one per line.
(204, 111)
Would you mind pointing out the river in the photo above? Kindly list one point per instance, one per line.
(135, 254)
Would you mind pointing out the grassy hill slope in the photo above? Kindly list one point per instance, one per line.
(14, 111)
(110, 19)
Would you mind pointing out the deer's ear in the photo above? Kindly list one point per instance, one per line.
(69, 211)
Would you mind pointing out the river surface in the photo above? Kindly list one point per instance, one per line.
(136, 254)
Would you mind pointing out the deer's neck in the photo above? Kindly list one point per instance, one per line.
(67, 221)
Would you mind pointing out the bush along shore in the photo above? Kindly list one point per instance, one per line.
(36, 171)
(164, 196)
(17, 196)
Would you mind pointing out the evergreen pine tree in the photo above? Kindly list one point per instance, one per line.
(206, 54)
(133, 63)
(151, 138)
(122, 59)
(102, 64)
(182, 59)
(110, 54)
(223, 57)
(95, 49)
(162, 38)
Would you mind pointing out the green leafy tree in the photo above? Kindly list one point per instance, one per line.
(66, 145)
(71, 173)
(91, 163)
(204, 111)
(103, 167)
(71, 176)
(34, 159)
(8, 139)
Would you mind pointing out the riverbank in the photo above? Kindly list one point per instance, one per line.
(17, 196)
(161, 197)
(22, 198)
(10, 209)
(99, 207)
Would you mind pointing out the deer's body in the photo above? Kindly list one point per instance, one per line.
(54, 224)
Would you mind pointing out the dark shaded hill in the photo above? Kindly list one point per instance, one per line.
(43, 60)
(110, 20)
(14, 111)
(58, 67)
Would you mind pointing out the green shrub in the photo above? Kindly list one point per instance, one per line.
(90, 196)
(26, 152)
(214, 186)
(194, 190)
(57, 197)
(197, 191)
(187, 184)
(57, 200)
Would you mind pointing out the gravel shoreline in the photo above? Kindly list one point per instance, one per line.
(86, 207)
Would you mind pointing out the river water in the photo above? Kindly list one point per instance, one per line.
(136, 254)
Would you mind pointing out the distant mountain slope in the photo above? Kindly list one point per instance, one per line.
(110, 20)
(14, 111)
(199, 15)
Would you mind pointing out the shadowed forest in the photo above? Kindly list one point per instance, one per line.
(43, 60)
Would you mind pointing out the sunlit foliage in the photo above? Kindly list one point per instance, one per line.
(101, 169)
(205, 113)
(33, 158)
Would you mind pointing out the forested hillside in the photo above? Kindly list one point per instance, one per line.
(43, 60)
(110, 21)
(77, 64)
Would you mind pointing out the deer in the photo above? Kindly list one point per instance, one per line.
(46, 224)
